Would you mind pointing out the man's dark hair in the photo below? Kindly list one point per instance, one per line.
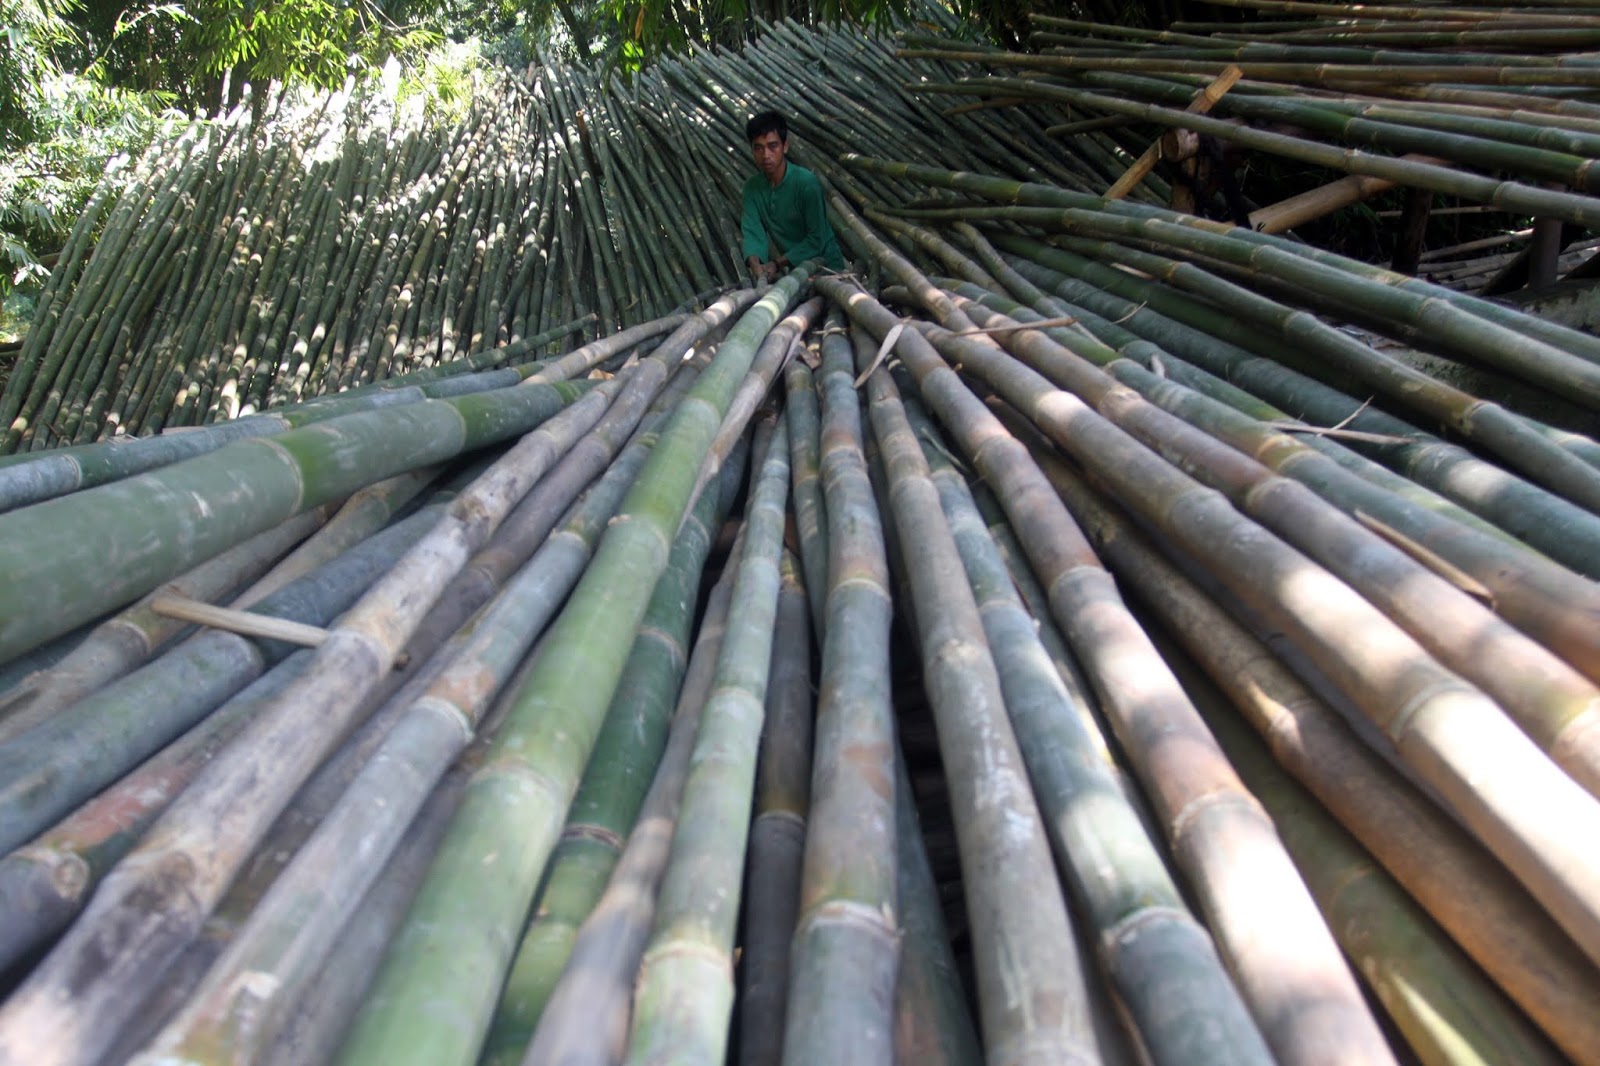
(765, 123)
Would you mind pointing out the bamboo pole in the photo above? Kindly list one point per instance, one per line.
(1480, 904)
(1142, 700)
(684, 994)
(844, 953)
(779, 829)
(578, 674)
(1030, 986)
(586, 1017)
(1160, 959)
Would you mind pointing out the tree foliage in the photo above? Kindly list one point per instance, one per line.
(59, 129)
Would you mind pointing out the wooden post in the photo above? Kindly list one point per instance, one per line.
(1544, 251)
(1413, 227)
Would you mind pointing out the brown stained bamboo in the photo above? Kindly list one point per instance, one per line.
(1478, 902)
(1256, 907)
(1202, 104)
(1322, 201)
(1457, 760)
(1557, 707)
(1442, 1004)
(1159, 958)
(1546, 601)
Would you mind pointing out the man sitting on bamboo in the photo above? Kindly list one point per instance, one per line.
(784, 220)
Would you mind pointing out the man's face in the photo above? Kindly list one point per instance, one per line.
(769, 151)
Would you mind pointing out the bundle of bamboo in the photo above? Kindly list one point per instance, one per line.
(511, 800)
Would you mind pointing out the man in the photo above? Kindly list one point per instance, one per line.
(784, 220)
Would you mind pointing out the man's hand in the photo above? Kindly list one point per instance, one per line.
(762, 272)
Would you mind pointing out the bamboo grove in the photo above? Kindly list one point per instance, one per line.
(448, 617)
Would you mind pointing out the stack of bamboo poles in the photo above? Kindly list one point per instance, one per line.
(1489, 104)
(1245, 675)
(343, 241)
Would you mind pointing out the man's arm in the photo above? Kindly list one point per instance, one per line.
(754, 234)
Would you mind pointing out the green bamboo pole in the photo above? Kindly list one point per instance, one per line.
(527, 796)
(627, 749)
(89, 744)
(843, 955)
(778, 829)
(586, 1017)
(1539, 518)
(159, 523)
(313, 1031)
(122, 643)
(684, 994)
(1005, 191)
(358, 517)
(774, 353)
(1478, 902)
(290, 929)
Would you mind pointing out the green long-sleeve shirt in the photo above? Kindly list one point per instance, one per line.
(791, 216)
